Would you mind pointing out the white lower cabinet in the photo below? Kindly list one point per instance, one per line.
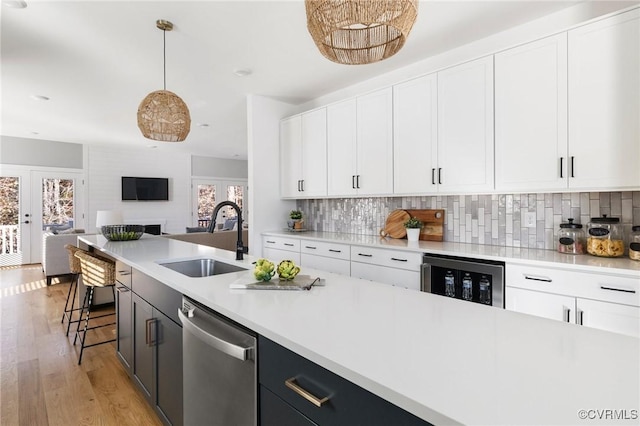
(398, 268)
(277, 249)
(330, 257)
(606, 302)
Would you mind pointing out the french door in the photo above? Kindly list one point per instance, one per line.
(207, 193)
(32, 202)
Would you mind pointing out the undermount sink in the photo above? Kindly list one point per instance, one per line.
(201, 267)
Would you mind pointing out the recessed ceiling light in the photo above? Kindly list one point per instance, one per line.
(14, 4)
(39, 98)
(202, 124)
(242, 72)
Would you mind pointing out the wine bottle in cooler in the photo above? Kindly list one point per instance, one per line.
(449, 284)
(467, 287)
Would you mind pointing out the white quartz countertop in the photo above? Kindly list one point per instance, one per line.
(447, 361)
(546, 258)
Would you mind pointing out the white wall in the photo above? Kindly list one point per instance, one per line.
(105, 167)
(268, 212)
(218, 167)
(37, 152)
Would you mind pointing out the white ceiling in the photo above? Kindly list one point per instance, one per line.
(97, 60)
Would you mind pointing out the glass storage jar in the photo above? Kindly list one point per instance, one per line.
(571, 238)
(604, 237)
(634, 243)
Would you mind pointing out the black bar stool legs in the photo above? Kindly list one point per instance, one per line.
(69, 310)
(96, 272)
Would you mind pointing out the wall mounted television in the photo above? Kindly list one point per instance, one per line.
(145, 189)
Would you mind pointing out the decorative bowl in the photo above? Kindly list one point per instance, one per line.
(122, 232)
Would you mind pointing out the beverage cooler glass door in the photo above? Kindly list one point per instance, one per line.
(474, 280)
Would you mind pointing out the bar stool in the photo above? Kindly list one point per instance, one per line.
(74, 266)
(96, 272)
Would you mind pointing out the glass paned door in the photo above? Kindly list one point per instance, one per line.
(207, 193)
(59, 197)
(15, 224)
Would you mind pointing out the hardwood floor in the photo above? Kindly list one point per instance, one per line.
(41, 382)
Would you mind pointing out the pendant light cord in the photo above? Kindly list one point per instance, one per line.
(164, 59)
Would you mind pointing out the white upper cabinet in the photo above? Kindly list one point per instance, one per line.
(465, 127)
(604, 103)
(531, 116)
(341, 148)
(375, 143)
(290, 154)
(303, 155)
(415, 133)
(314, 153)
(360, 145)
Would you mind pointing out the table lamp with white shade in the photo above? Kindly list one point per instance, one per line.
(108, 217)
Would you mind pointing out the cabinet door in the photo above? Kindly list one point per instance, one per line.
(337, 266)
(375, 143)
(621, 319)
(604, 103)
(290, 156)
(124, 326)
(168, 361)
(341, 148)
(531, 116)
(143, 349)
(314, 153)
(415, 133)
(465, 127)
(546, 305)
(386, 275)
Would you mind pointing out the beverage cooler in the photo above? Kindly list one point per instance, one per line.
(472, 280)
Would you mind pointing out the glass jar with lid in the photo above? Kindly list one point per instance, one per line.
(571, 238)
(605, 237)
(634, 243)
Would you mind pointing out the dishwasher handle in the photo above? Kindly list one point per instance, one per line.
(215, 342)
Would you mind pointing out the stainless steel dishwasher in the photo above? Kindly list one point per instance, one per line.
(219, 368)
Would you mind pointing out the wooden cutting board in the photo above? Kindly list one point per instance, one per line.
(394, 226)
(433, 219)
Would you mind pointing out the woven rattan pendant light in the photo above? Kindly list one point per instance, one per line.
(356, 32)
(162, 115)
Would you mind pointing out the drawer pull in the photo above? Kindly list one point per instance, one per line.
(624, 290)
(291, 384)
(310, 247)
(537, 278)
(124, 272)
(365, 255)
(567, 314)
(335, 251)
(270, 242)
(122, 289)
(288, 244)
(398, 260)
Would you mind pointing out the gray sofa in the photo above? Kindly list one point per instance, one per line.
(55, 258)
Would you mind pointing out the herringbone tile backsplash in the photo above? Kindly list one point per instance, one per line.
(495, 219)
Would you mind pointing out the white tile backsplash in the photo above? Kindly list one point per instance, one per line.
(495, 219)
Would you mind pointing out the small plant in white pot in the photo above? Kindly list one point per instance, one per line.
(413, 226)
(296, 221)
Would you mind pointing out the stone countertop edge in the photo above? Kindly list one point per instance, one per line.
(535, 257)
(417, 350)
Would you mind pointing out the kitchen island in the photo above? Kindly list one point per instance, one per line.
(443, 360)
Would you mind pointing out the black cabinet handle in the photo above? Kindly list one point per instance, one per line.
(624, 290)
(399, 260)
(302, 185)
(310, 247)
(122, 289)
(123, 273)
(357, 181)
(572, 166)
(561, 163)
(537, 278)
(439, 175)
(270, 242)
(288, 244)
(150, 339)
(433, 176)
(353, 181)
(335, 251)
(365, 255)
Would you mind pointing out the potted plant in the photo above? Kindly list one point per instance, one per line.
(413, 226)
(296, 221)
